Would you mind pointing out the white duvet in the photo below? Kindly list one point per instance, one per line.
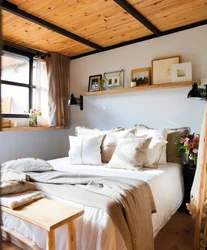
(95, 229)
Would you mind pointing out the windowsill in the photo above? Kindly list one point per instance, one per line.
(32, 128)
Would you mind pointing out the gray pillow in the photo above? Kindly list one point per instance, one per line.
(173, 137)
(27, 165)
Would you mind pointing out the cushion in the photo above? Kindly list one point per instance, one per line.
(157, 147)
(27, 165)
(130, 153)
(110, 142)
(154, 153)
(96, 131)
(85, 150)
(173, 137)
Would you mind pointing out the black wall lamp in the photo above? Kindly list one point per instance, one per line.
(196, 92)
(76, 101)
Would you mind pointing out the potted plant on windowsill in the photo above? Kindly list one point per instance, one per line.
(188, 146)
(33, 114)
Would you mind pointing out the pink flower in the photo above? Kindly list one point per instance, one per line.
(195, 150)
(182, 140)
(196, 138)
(187, 140)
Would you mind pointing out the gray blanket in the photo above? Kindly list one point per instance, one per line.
(129, 202)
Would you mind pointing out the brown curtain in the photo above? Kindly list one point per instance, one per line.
(58, 92)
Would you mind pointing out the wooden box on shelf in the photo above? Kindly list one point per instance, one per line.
(6, 123)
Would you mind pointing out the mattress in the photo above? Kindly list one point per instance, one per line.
(95, 229)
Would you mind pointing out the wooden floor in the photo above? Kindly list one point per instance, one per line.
(176, 235)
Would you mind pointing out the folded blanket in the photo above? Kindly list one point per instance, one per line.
(129, 202)
(16, 187)
(16, 200)
(12, 176)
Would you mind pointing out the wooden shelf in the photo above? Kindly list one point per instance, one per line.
(13, 129)
(140, 88)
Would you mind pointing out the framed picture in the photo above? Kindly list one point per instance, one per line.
(94, 83)
(114, 80)
(141, 76)
(161, 69)
(181, 72)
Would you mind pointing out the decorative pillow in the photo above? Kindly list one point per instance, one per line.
(110, 142)
(85, 150)
(130, 153)
(157, 135)
(154, 152)
(173, 136)
(27, 165)
(79, 131)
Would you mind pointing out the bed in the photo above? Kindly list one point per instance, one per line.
(95, 230)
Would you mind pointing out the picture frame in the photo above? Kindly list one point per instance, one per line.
(114, 80)
(94, 83)
(141, 76)
(161, 69)
(181, 72)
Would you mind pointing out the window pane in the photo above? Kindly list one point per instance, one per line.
(15, 68)
(15, 100)
(34, 99)
(34, 71)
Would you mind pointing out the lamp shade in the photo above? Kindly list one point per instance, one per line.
(72, 100)
(194, 92)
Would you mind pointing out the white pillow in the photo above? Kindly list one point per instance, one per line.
(130, 153)
(110, 142)
(157, 136)
(80, 131)
(85, 150)
(27, 165)
(154, 153)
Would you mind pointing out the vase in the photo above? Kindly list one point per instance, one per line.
(185, 158)
(192, 162)
(33, 121)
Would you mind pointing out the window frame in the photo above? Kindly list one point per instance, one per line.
(30, 86)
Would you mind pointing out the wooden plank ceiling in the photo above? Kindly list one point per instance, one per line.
(103, 22)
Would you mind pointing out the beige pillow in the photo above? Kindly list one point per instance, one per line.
(157, 135)
(173, 137)
(110, 142)
(96, 131)
(130, 153)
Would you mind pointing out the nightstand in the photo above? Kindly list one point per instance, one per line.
(188, 177)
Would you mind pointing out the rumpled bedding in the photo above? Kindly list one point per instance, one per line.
(16, 191)
(128, 202)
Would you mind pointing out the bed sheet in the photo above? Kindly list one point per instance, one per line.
(95, 229)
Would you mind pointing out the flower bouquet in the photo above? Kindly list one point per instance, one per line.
(33, 114)
(189, 145)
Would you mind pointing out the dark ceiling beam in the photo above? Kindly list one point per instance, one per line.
(12, 8)
(141, 39)
(15, 48)
(136, 14)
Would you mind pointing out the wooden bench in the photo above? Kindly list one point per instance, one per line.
(48, 215)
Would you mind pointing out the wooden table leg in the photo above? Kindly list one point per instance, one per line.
(51, 240)
(71, 236)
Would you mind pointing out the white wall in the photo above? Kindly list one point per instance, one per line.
(158, 108)
(45, 144)
(154, 108)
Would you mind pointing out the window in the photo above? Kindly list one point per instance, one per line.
(16, 83)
